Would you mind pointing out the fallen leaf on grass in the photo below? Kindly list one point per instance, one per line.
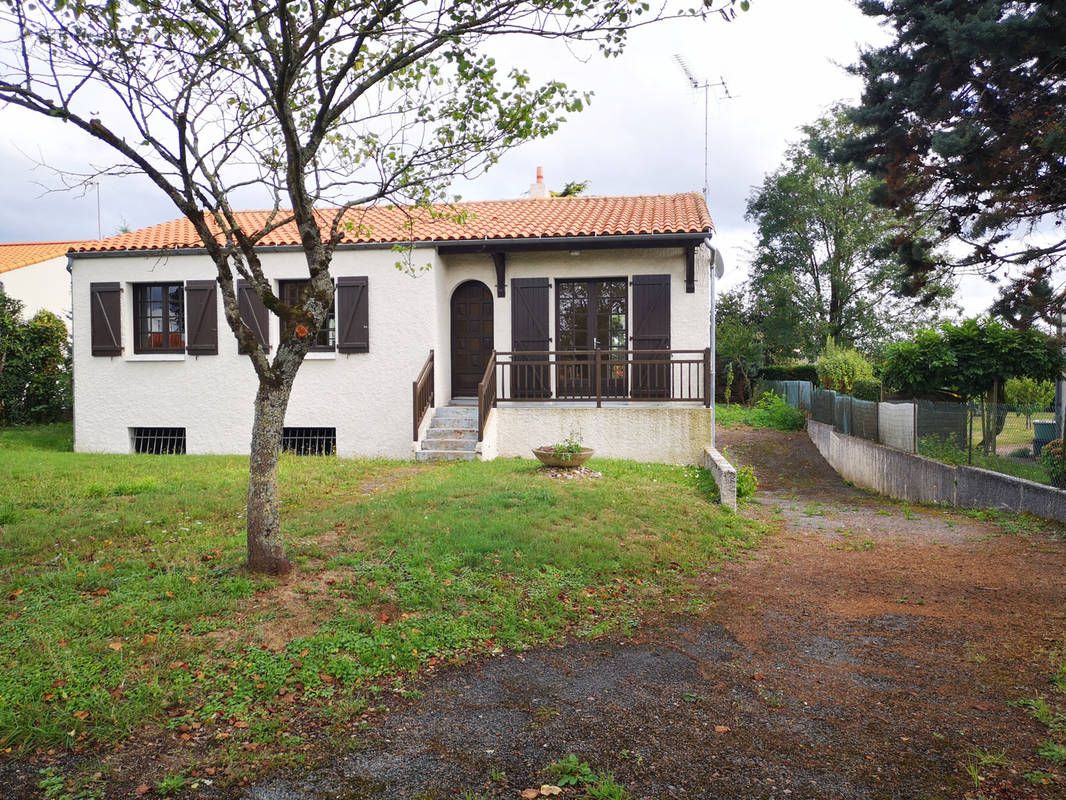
(81, 715)
(115, 645)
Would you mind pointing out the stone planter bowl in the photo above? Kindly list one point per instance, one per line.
(549, 458)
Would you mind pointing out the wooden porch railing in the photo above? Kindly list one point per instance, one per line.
(598, 375)
(422, 394)
(486, 396)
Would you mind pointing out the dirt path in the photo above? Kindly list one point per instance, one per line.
(868, 650)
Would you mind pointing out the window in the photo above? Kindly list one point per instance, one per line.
(592, 315)
(158, 318)
(295, 293)
(158, 441)
(309, 441)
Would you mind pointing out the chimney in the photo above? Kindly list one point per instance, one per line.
(538, 191)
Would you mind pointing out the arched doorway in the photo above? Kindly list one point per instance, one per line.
(472, 340)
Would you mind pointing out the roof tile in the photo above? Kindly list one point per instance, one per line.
(500, 219)
(15, 255)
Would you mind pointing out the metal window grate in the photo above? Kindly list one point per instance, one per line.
(309, 441)
(158, 441)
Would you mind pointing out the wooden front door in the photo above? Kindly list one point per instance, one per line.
(472, 339)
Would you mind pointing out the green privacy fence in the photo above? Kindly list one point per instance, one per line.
(997, 436)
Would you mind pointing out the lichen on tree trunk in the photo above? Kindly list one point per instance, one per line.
(266, 546)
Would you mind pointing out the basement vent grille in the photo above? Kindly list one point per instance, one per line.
(158, 441)
(309, 441)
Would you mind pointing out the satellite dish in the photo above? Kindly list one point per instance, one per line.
(716, 259)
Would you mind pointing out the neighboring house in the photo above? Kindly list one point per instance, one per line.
(36, 273)
(512, 304)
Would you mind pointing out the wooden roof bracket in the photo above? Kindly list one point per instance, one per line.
(499, 258)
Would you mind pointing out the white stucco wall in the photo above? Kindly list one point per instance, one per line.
(365, 396)
(666, 433)
(43, 285)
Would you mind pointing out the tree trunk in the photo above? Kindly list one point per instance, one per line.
(266, 547)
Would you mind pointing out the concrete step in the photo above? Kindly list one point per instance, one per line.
(450, 444)
(453, 425)
(445, 455)
(455, 412)
(452, 433)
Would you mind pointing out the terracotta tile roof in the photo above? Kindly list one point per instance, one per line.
(500, 219)
(14, 255)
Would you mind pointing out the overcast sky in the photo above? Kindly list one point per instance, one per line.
(643, 133)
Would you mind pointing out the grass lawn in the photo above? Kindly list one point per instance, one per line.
(125, 609)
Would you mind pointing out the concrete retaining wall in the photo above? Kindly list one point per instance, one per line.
(667, 433)
(725, 475)
(922, 480)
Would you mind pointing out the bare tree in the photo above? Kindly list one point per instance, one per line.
(326, 105)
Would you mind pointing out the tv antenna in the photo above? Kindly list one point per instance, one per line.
(706, 85)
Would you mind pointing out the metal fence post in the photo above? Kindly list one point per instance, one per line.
(915, 430)
(599, 381)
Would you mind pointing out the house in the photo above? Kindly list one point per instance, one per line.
(36, 274)
(528, 321)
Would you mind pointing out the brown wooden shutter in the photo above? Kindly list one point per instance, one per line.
(201, 309)
(353, 315)
(254, 314)
(651, 331)
(105, 318)
(530, 333)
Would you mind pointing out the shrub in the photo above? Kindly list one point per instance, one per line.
(747, 483)
(1053, 460)
(866, 390)
(35, 382)
(839, 368)
(789, 372)
(1029, 396)
(771, 411)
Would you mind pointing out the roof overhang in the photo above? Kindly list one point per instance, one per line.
(455, 247)
(549, 243)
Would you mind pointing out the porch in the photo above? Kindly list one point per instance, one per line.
(647, 405)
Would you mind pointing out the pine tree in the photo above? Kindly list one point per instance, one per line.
(964, 115)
